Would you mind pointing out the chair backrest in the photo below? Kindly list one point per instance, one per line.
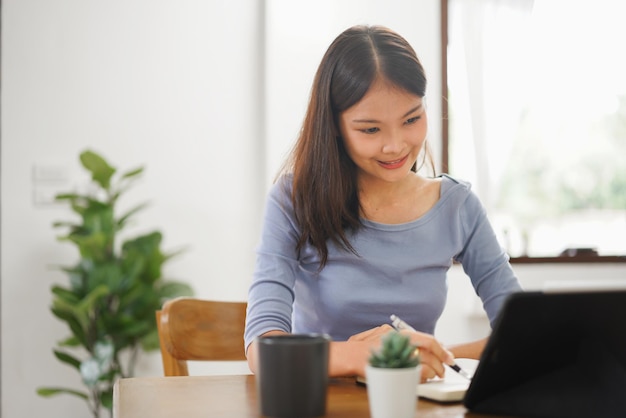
(196, 329)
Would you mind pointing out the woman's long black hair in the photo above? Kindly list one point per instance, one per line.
(325, 195)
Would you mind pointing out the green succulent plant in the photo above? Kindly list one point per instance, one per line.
(396, 352)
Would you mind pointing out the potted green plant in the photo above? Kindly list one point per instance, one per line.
(393, 373)
(114, 289)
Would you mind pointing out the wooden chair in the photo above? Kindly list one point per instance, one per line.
(195, 329)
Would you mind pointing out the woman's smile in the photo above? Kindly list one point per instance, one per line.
(392, 165)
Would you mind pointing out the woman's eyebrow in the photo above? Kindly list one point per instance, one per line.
(416, 108)
(412, 110)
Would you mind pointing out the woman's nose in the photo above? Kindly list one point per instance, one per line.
(393, 143)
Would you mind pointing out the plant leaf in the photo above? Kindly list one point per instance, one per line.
(171, 254)
(65, 294)
(67, 196)
(75, 326)
(106, 398)
(72, 341)
(132, 173)
(124, 218)
(51, 391)
(101, 171)
(172, 289)
(150, 341)
(88, 302)
(67, 359)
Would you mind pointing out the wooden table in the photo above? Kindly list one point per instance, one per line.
(236, 396)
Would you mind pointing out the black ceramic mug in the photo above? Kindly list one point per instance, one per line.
(292, 375)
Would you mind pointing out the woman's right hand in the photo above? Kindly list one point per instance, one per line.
(433, 355)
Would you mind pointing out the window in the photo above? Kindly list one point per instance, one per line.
(537, 121)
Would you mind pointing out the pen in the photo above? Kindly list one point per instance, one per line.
(400, 324)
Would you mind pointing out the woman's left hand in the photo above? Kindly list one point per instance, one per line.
(374, 334)
(433, 355)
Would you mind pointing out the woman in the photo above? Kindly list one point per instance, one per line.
(352, 233)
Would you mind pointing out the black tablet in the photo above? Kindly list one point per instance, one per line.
(555, 354)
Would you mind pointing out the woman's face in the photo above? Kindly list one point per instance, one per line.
(384, 132)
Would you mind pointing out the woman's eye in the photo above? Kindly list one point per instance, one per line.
(370, 130)
(412, 120)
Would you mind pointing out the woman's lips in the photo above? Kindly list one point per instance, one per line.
(392, 165)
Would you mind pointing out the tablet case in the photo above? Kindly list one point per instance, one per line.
(555, 355)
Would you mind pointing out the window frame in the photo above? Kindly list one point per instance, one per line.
(445, 133)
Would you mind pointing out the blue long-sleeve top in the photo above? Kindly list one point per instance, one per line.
(400, 268)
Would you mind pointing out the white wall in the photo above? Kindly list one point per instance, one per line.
(208, 95)
(172, 85)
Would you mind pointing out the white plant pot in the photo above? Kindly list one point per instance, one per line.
(392, 393)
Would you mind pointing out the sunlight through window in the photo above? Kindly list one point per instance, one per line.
(537, 120)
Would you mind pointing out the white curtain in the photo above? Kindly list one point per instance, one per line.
(487, 40)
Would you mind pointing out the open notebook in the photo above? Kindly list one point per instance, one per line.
(452, 388)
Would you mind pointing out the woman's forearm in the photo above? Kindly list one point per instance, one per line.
(345, 358)
(469, 350)
(251, 351)
(348, 358)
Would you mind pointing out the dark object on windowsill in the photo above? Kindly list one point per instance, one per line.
(579, 252)
(578, 255)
